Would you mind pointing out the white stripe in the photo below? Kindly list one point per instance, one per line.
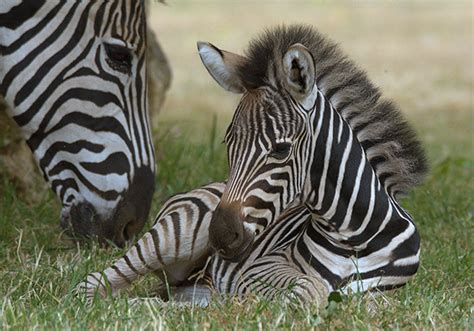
(366, 284)
(368, 216)
(410, 260)
(355, 192)
(342, 168)
(327, 157)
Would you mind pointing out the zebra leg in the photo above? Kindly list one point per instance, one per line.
(275, 277)
(176, 245)
(270, 270)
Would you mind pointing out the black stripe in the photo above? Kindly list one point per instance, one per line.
(214, 191)
(73, 148)
(115, 163)
(156, 243)
(20, 13)
(34, 54)
(320, 268)
(175, 220)
(65, 184)
(130, 265)
(31, 33)
(142, 259)
(110, 195)
(125, 278)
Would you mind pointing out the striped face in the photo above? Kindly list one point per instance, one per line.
(266, 150)
(263, 145)
(74, 76)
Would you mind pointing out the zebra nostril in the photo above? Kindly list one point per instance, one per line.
(130, 229)
(127, 234)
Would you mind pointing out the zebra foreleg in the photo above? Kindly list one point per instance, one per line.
(275, 278)
(177, 244)
(270, 269)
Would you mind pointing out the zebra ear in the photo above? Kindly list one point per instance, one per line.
(298, 67)
(222, 66)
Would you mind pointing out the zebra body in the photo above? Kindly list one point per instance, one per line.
(310, 205)
(74, 76)
(350, 241)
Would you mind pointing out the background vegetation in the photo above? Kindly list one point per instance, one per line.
(420, 54)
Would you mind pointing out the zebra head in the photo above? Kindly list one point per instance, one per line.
(265, 142)
(74, 76)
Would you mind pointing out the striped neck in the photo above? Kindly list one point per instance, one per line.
(344, 194)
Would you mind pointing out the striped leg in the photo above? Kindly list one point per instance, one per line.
(270, 270)
(176, 245)
(275, 277)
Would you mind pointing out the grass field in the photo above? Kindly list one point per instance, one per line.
(421, 54)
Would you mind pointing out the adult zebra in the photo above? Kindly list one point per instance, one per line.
(74, 76)
(317, 159)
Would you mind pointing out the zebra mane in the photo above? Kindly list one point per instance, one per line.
(390, 143)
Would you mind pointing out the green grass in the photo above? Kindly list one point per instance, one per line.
(39, 266)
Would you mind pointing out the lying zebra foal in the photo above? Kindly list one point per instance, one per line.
(317, 161)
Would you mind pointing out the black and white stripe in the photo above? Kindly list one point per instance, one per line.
(348, 234)
(176, 245)
(310, 205)
(74, 76)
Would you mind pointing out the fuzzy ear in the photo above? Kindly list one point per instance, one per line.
(222, 66)
(298, 67)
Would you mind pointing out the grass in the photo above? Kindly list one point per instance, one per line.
(422, 58)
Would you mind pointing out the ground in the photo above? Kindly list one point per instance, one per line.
(420, 54)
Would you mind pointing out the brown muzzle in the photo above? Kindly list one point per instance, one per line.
(227, 234)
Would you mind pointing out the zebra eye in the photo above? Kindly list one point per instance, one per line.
(280, 151)
(119, 58)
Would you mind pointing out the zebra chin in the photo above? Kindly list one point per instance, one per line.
(82, 221)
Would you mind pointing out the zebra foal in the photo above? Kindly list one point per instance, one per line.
(317, 161)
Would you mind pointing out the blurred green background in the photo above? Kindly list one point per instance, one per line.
(419, 53)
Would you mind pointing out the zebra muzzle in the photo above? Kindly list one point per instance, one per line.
(82, 219)
(79, 221)
(227, 233)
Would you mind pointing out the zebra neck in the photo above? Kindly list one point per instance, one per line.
(345, 196)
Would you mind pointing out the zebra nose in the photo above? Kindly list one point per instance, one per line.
(227, 234)
(127, 219)
(83, 222)
(80, 220)
(124, 229)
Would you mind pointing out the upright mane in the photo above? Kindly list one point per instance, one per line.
(390, 143)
